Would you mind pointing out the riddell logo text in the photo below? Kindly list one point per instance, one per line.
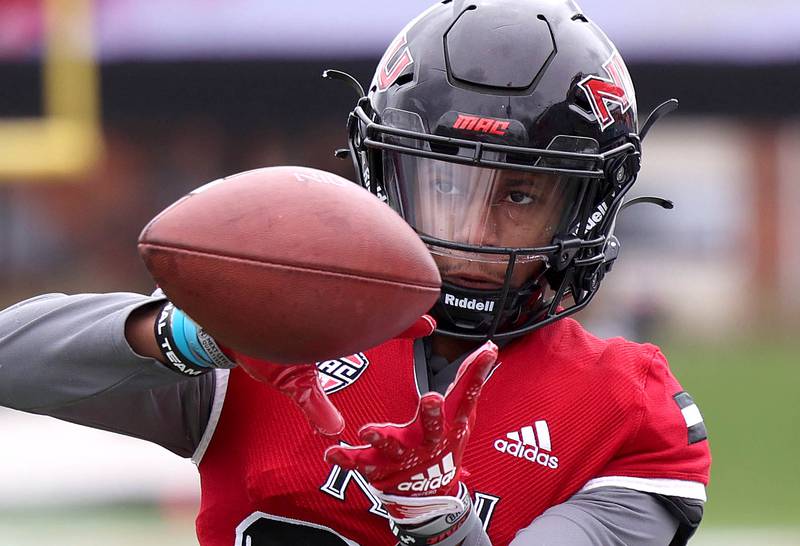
(468, 303)
(481, 125)
(597, 216)
(528, 452)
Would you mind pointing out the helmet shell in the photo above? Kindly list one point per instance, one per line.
(517, 60)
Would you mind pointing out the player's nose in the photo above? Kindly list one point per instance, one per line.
(470, 228)
(476, 232)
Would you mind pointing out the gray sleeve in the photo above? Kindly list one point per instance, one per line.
(67, 357)
(607, 516)
(477, 535)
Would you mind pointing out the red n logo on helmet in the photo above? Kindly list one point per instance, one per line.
(602, 92)
(399, 52)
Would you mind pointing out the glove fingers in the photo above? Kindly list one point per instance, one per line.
(383, 438)
(347, 457)
(301, 384)
(462, 395)
(320, 411)
(477, 365)
(424, 326)
(365, 459)
(431, 417)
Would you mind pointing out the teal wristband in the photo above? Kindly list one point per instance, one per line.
(187, 348)
(184, 332)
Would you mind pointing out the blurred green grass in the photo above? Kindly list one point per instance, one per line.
(747, 392)
(113, 525)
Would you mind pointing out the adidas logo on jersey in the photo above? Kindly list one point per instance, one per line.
(523, 444)
(435, 477)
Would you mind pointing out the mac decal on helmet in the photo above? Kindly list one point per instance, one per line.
(480, 112)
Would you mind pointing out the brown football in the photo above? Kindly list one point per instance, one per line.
(291, 264)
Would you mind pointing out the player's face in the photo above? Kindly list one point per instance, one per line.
(485, 207)
(523, 210)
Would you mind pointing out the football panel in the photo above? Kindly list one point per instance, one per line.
(285, 215)
(285, 314)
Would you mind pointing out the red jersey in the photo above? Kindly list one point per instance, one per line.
(562, 411)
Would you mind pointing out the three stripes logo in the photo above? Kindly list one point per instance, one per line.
(435, 477)
(531, 443)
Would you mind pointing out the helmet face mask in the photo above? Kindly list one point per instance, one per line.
(512, 177)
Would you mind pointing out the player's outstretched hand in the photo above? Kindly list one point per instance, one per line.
(415, 467)
(300, 382)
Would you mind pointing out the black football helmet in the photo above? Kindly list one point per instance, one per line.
(505, 133)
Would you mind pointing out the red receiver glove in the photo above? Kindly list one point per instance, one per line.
(415, 467)
(300, 382)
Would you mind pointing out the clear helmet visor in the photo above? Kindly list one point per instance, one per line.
(480, 206)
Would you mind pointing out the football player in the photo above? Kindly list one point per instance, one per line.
(506, 133)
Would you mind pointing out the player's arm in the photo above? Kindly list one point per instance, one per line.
(133, 365)
(140, 334)
(68, 357)
(610, 516)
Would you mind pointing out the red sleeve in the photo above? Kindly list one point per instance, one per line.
(668, 454)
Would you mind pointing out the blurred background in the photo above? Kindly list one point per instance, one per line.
(112, 109)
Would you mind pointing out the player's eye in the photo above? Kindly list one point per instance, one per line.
(519, 198)
(445, 187)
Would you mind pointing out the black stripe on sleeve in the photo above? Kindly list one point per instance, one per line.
(696, 432)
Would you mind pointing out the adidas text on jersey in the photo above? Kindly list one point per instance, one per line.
(523, 444)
